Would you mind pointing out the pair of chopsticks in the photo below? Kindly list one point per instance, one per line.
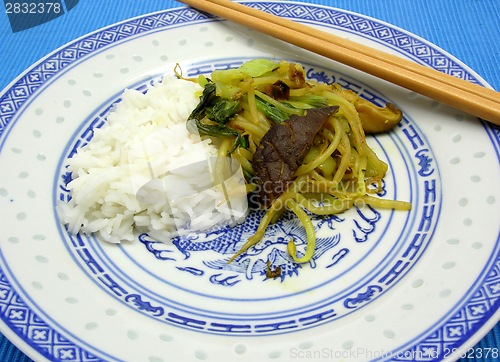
(471, 98)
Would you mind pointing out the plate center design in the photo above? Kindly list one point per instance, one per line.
(359, 254)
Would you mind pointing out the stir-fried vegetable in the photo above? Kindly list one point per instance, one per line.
(275, 114)
(218, 110)
(267, 108)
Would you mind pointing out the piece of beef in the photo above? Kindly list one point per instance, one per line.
(282, 150)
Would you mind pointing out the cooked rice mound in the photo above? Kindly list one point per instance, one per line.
(144, 139)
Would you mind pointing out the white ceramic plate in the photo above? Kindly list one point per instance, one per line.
(383, 285)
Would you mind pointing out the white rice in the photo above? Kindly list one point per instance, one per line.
(120, 176)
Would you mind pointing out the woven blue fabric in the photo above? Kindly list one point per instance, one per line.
(10, 353)
(467, 29)
(486, 350)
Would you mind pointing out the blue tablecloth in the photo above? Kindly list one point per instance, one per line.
(468, 29)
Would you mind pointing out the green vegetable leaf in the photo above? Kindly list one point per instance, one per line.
(257, 67)
(207, 99)
(196, 127)
(214, 107)
(308, 101)
(277, 115)
(223, 110)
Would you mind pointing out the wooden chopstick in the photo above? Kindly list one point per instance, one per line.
(471, 98)
(363, 49)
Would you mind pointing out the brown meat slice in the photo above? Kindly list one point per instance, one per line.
(282, 150)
